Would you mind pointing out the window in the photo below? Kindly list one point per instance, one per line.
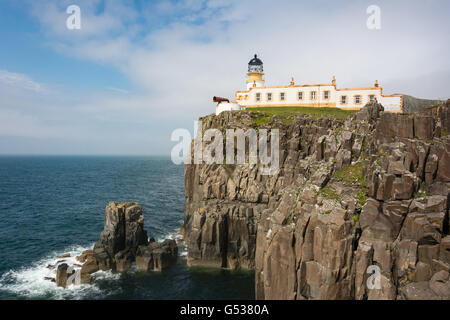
(258, 97)
(343, 99)
(313, 95)
(282, 96)
(357, 99)
(372, 98)
(300, 95)
(269, 96)
(326, 95)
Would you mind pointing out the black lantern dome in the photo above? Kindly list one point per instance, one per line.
(255, 65)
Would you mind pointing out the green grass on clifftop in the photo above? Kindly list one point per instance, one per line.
(314, 112)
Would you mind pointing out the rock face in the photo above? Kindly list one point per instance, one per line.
(370, 192)
(122, 242)
(123, 233)
(156, 256)
(62, 275)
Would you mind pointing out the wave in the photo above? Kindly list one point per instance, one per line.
(29, 282)
(175, 235)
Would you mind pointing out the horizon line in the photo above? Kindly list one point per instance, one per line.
(82, 155)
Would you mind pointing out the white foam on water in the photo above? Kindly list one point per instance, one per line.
(175, 235)
(30, 282)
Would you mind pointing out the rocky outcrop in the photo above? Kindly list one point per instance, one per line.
(123, 233)
(62, 274)
(122, 242)
(157, 256)
(353, 196)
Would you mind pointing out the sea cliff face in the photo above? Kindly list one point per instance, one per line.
(369, 191)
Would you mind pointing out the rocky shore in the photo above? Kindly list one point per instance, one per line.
(369, 190)
(122, 242)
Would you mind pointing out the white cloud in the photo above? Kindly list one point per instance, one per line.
(52, 15)
(178, 55)
(118, 90)
(17, 80)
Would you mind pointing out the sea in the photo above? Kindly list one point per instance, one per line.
(50, 205)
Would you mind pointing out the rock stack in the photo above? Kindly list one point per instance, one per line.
(123, 233)
(122, 242)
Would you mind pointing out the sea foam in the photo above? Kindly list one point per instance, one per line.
(30, 283)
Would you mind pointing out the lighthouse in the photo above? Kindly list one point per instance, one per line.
(255, 73)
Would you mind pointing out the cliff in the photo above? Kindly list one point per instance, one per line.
(370, 190)
(413, 104)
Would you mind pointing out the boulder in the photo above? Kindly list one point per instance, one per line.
(123, 260)
(85, 278)
(62, 275)
(90, 266)
(83, 256)
(403, 187)
(440, 284)
(417, 291)
(370, 112)
(157, 256)
(443, 172)
(444, 250)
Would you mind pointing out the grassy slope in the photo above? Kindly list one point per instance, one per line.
(410, 104)
(314, 112)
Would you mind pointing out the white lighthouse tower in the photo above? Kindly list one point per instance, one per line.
(255, 73)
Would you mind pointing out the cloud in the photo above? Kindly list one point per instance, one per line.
(178, 54)
(99, 18)
(117, 90)
(17, 80)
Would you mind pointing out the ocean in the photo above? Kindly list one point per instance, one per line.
(50, 205)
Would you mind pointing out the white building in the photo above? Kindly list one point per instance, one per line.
(227, 106)
(310, 95)
(223, 104)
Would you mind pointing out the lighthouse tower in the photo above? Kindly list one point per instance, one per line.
(255, 73)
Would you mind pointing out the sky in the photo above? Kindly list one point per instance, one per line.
(137, 70)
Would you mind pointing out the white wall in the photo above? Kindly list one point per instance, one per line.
(291, 94)
(227, 106)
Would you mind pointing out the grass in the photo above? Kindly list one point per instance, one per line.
(328, 193)
(338, 131)
(351, 176)
(261, 120)
(361, 196)
(315, 112)
(288, 222)
(421, 193)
